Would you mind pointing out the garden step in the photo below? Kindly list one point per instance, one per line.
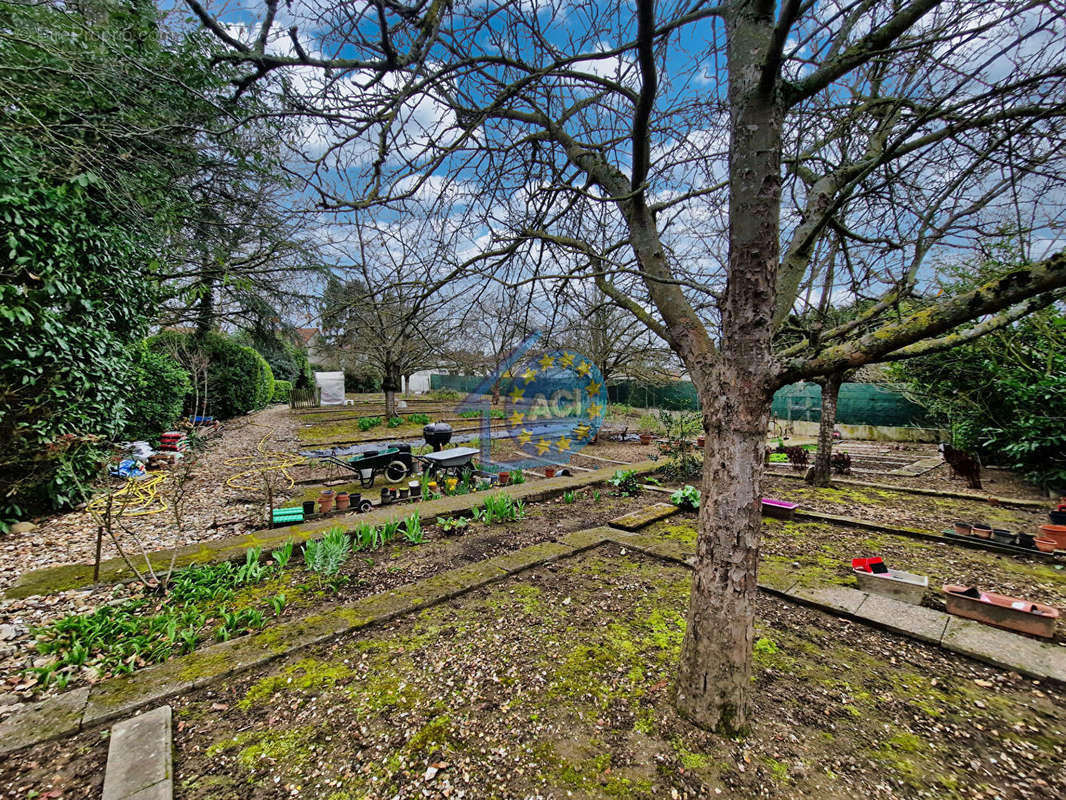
(139, 758)
(642, 517)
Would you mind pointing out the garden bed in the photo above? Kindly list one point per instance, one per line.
(817, 554)
(559, 683)
(219, 603)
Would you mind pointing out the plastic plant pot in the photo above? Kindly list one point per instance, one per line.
(549, 472)
(1057, 517)
(963, 528)
(982, 531)
(1026, 540)
(404, 492)
(1003, 536)
(309, 507)
(414, 486)
(645, 438)
(1045, 545)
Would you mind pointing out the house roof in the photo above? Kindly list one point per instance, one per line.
(305, 335)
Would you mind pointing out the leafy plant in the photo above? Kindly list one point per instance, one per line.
(282, 555)
(518, 477)
(251, 570)
(777, 458)
(389, 531)
(412, 529)
(367, 537)
(625, 482)
(395, 422)
(596, 495)
(418, 419)
(681, 428)
(569, 496)
(366, 423)
(326, 556)
(452, 524)
(687, 498)
(277, 603)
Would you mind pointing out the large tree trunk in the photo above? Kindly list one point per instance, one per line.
(390, 383)
(819, 474)
(714, 681)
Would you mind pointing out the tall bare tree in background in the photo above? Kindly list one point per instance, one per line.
(746, 128)
(384, 305)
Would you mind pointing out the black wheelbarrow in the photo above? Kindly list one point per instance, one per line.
(395, 463)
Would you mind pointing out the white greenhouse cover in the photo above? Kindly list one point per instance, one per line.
(331, 386)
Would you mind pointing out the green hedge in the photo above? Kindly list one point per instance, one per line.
(156, 392)
(239, 380)
(281, 391)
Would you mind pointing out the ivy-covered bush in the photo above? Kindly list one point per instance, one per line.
(73, 297)
(155, 392)
(281, 391)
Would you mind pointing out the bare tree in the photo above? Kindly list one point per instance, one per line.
(790, 114)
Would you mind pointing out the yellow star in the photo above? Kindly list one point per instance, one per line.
(543, 446)
(529, 375)
(516, 394)
(524, 437)
(592, 388)
(595, 409)
(505, 374)
(546, 361)
(582, 430)
(516, 419)
(563, 444)
(583, 369)
(566, 360)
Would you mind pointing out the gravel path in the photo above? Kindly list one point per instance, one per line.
(71, 537)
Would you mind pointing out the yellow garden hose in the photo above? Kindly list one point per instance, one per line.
(260, 462)
(138, 498)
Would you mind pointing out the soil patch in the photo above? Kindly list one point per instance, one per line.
(558, 684)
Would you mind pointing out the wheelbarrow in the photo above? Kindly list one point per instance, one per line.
(449, 462)
(395, 463)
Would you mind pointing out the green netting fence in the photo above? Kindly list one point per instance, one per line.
(859, 403)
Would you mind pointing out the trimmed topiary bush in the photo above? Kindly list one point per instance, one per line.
(156, 394)
(281, 391)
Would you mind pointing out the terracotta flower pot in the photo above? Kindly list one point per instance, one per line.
(963, 528)
(505, 478)
(1045, 545)
(342, 501)
(982, 531)
(1056, 533)
(549, 472)
(645, 438)
(325, 501)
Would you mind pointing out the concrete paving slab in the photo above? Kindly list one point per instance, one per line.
(906, 618)
(139, 757)
(667, 549)
(1005, 649)
(43, 721)
(641, 518)
(838, 599)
